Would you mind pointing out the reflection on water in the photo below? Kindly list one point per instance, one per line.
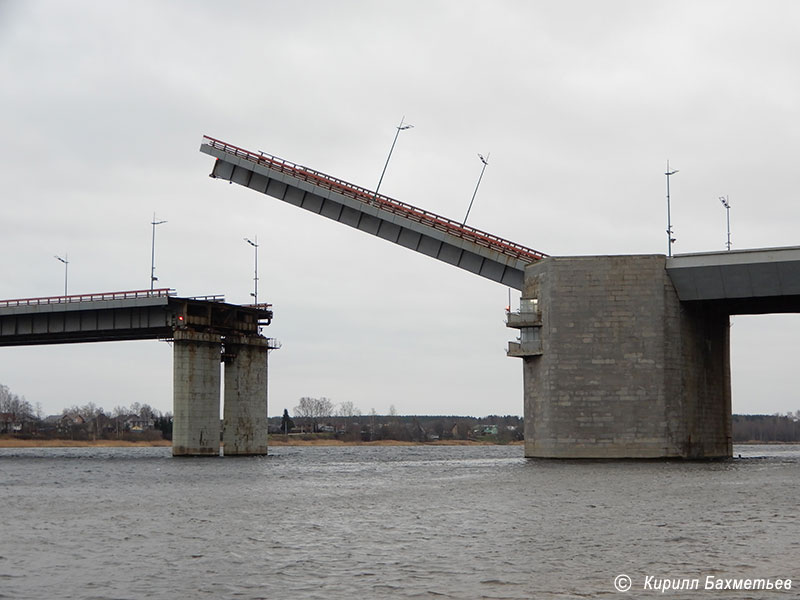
(388, 522)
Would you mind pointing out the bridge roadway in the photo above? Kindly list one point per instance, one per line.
(756, 281)
(623, 356)
(204, 331)
(436, 236)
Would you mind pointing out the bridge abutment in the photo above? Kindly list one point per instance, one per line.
(245, 420)
(196, 393)
(615, 366)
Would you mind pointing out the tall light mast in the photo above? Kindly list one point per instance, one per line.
(485, 162)
(727, 205)
(670, 238)
(255, 277)
(153, 277)
(401, 127)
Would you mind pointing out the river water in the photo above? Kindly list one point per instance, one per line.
(390, 522)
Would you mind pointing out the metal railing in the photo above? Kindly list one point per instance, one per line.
(369, 197)
(209, 298)
(126, 295)
(260, 306)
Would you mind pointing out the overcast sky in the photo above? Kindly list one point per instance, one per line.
(103, 106)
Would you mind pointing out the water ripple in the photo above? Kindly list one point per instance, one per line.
(384, 522)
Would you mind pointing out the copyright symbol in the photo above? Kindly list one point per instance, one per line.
(622, 583)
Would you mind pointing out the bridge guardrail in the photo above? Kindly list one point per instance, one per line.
(260, 305)
(125, 295)
(209, 298)
(356, 192)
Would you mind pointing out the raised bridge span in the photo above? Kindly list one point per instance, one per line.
(203, 331)
(436, 236)
(623, 356)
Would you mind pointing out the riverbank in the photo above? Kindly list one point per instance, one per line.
(273, 441)
(19, 443)
(279, 440)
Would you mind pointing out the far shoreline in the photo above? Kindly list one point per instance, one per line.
(273, 441)
(281, 441)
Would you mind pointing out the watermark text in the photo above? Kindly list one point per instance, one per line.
(663, 585)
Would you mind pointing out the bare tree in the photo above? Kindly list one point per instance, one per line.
(372, 415)
(148, 412)
(348, 409)
(20, 408)
(313, 409)
(88, 411)
(91, 411)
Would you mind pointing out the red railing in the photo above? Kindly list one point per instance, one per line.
(209, 298)
(419, 215)
(159, 293)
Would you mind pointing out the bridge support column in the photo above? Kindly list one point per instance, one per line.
(245, 422)
(196, 393)
(622, 368)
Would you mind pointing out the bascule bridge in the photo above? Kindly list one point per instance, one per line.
(623, 356)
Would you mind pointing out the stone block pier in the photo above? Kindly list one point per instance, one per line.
(620, 368)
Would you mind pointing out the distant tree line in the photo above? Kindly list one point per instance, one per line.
(139, 422)
(766, 428)
(318, 416)
(346, 421)
(321, 415)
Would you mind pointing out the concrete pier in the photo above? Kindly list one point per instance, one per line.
(615, 366)
(196, 393)
(245, 421)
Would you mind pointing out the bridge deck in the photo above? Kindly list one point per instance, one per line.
(763, 280)
(114, 316)
(434, 235)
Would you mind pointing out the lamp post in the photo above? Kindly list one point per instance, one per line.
(401, 127)
(485, 162)
(670, 239)
(254, 294)
(255, 277)
(153, 277)
(66, 268)
(727, 205)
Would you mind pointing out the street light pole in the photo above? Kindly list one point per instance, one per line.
(485, 162)
(255, 277)
(66, 267)
(727, 205)
(670, 239)
(400, 128)
(153, 277)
